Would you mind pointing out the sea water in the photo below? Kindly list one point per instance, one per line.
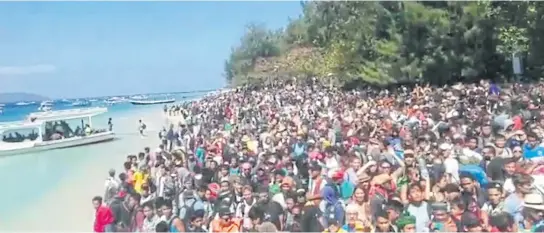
(70, 176)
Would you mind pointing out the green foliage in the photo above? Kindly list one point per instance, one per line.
(387, 42)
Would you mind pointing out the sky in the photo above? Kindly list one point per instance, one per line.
(84, 49)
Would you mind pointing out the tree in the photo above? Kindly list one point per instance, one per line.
(387, 42)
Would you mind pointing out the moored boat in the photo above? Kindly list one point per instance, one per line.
(81, 103)
(50, 130)
(46, 106)
(150, 102)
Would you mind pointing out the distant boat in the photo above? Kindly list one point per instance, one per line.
(82, 103)
(46, 106)
(114, 100)
(24, 103)
(150, 102)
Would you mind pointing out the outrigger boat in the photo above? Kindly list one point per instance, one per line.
(49, 130)
(150, 102)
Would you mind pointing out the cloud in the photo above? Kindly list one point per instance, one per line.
(26, 70)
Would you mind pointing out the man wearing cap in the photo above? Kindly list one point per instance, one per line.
(226, 222)
(406, 223)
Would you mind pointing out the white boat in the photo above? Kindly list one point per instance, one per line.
(46, 106)
(24, 103)
(115, 100)
(39, 141)
(150, 102)
(81, 103)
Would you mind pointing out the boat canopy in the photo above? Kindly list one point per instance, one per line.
(66, 114)
(14, 125)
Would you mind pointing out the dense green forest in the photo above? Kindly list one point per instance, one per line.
(390, 42)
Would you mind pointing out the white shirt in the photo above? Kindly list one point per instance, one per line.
(452, 168)
(508, 186)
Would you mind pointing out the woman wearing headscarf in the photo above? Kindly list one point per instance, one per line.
(333, 206)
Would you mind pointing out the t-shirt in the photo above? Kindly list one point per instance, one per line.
(452, 168)
(273, 213)
(513, 205)
(139, 180)
(495, 169)
(421, 213)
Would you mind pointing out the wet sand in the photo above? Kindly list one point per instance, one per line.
(67, 206)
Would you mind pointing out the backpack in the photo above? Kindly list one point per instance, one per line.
(144, 126)
(171, 224)
(187, 210)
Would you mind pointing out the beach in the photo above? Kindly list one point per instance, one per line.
(52, 190)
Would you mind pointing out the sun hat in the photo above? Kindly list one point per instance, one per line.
(533, 201)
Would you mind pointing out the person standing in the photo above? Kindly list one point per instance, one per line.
(141, 127)
(111, 187)
(110, 124)
(103, 221)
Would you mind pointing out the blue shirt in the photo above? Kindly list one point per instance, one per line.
(513, 205)
(531, 153)
(299, 149)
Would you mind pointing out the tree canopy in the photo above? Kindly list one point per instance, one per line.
(390, 42)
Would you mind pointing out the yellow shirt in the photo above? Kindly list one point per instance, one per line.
(139, 180)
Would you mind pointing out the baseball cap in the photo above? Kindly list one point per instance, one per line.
(314, 165)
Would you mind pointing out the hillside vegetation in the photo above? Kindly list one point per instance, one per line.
(390, 42)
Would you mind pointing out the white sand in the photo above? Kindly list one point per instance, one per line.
(68, 207)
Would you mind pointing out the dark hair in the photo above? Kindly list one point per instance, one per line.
(255, 213)
(415, 185)
(502, 221)
(466, 175)
(459, 203)
(162, 227)
(127, 165)
(519, 179)
(531, 134)
(382, 214)
(166, 203)
(149, 205)
(136, 196)
(98, 199)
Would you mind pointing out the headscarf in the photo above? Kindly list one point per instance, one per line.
(404, 220)
(329, 195)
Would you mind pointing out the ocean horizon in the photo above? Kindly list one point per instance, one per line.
(32, 178)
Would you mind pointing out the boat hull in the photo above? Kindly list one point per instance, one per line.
(58, 144)
(136, 102)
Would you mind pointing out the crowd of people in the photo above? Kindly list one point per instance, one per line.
(305, 157)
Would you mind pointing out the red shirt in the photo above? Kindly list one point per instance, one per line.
(103, 217)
